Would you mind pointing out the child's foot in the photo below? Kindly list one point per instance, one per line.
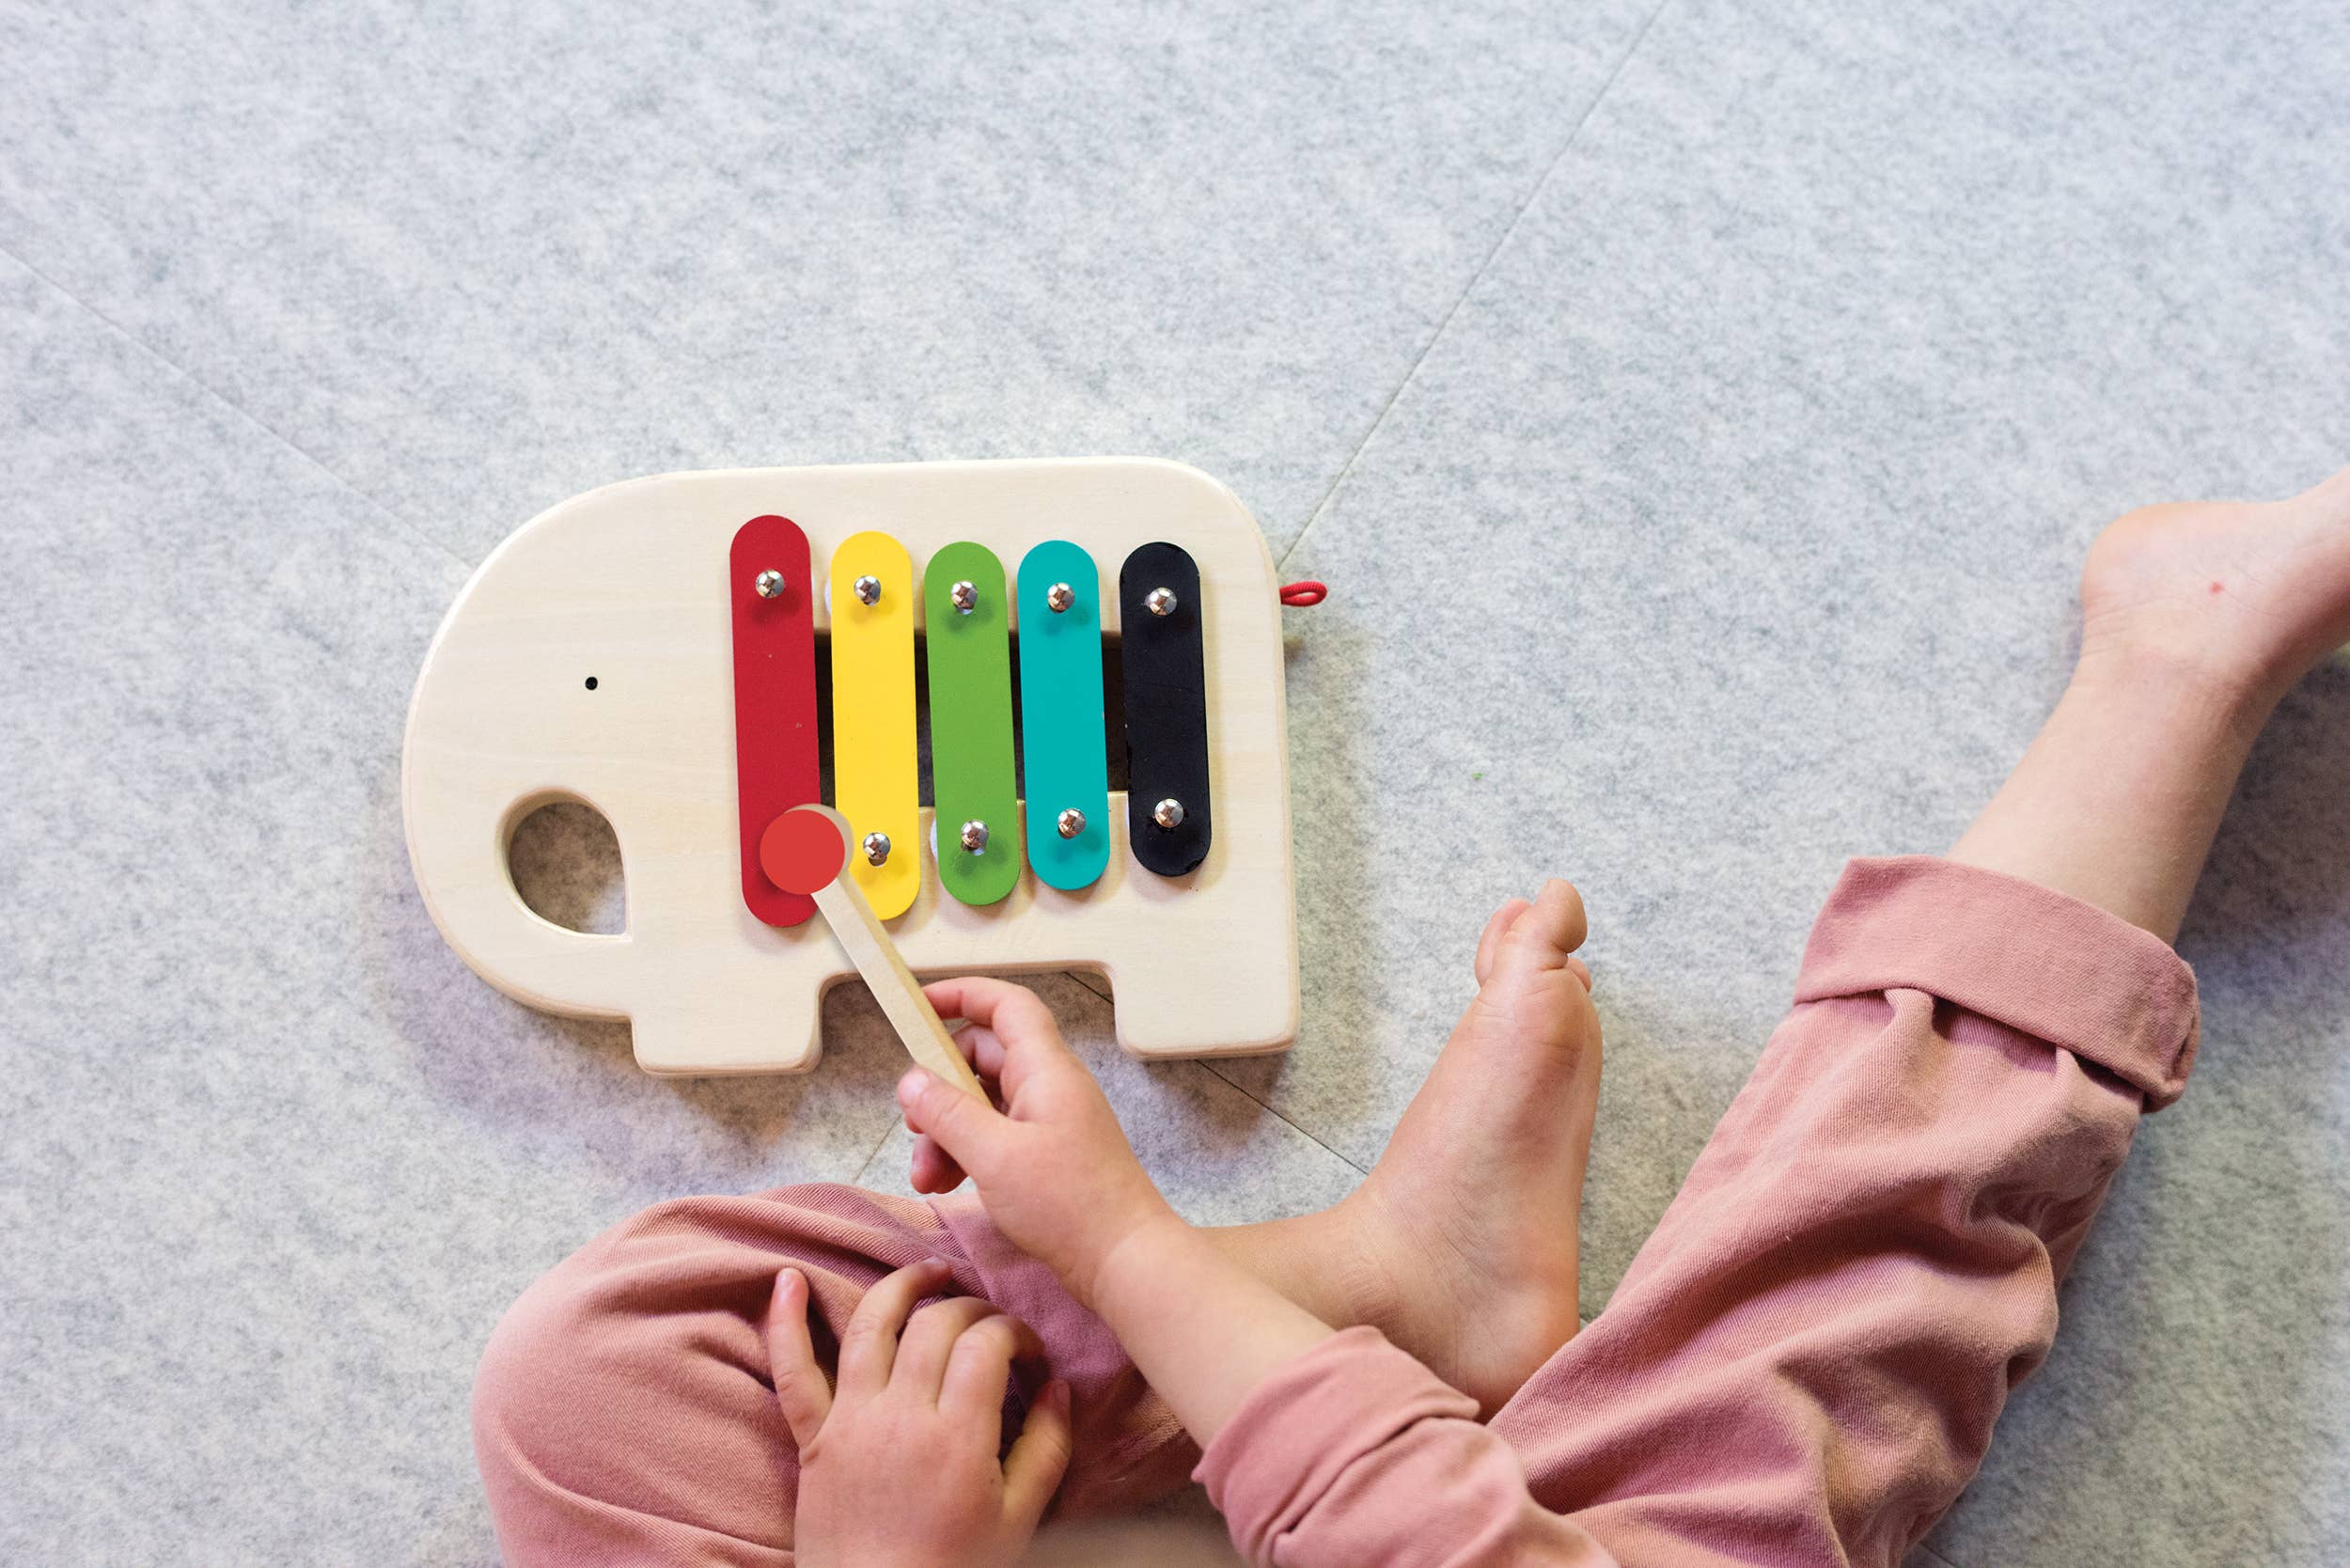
(2242, 597)
(1466, 1230)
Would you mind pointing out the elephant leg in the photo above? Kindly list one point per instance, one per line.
(623, 1410)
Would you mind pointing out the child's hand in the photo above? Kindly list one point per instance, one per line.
(1053, 1166)
(898, 1465)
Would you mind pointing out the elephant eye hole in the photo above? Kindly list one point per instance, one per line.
(591, 682)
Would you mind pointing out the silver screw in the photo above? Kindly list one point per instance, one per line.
(964, 596)
(1160, 600)
(1071, 822)
(1169, 813)
(1060, 597)
(974, 835)
(877, 847)
(769, 584)
(868, 591)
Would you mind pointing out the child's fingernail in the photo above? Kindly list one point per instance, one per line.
(1056, 1395)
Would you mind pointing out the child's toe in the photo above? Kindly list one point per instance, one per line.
(1489, 945)
(1548, 930)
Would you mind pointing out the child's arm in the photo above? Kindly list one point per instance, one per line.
(898, 1463)
(1321, 1447)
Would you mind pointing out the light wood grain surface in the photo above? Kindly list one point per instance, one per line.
(627, 584)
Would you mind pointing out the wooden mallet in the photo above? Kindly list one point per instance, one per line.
(805, 850)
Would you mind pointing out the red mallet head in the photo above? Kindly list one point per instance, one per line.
(805, 848)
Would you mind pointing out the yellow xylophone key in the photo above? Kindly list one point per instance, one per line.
(875, 783)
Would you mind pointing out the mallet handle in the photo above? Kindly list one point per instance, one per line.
(893, 984)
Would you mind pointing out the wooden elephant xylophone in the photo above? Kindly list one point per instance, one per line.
(658, 650)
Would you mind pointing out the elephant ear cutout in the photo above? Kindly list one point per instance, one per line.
(565, 862)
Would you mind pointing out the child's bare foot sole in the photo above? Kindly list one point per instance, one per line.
(1464, 1236)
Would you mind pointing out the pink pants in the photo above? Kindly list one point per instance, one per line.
(1802, 1366)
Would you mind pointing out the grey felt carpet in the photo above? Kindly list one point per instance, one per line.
(1700, 410)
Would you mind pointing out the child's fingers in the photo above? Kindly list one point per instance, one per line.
(929, 1338)
(1039, 1456)
(800, 1388)
(1489, 945)
(1581, 971)
(964, 1129)
(934, 1170)
(979, 1369)
(868, 1346)
(987, 1003)
(982, 1049)
(1012, 1014)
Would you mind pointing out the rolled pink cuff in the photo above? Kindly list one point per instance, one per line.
(1313, 1416)
(2013, 951)
(1353, 1455)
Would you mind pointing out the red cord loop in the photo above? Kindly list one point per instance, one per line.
(1298, 595)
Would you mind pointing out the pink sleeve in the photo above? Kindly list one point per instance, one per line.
(1356, 1455)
